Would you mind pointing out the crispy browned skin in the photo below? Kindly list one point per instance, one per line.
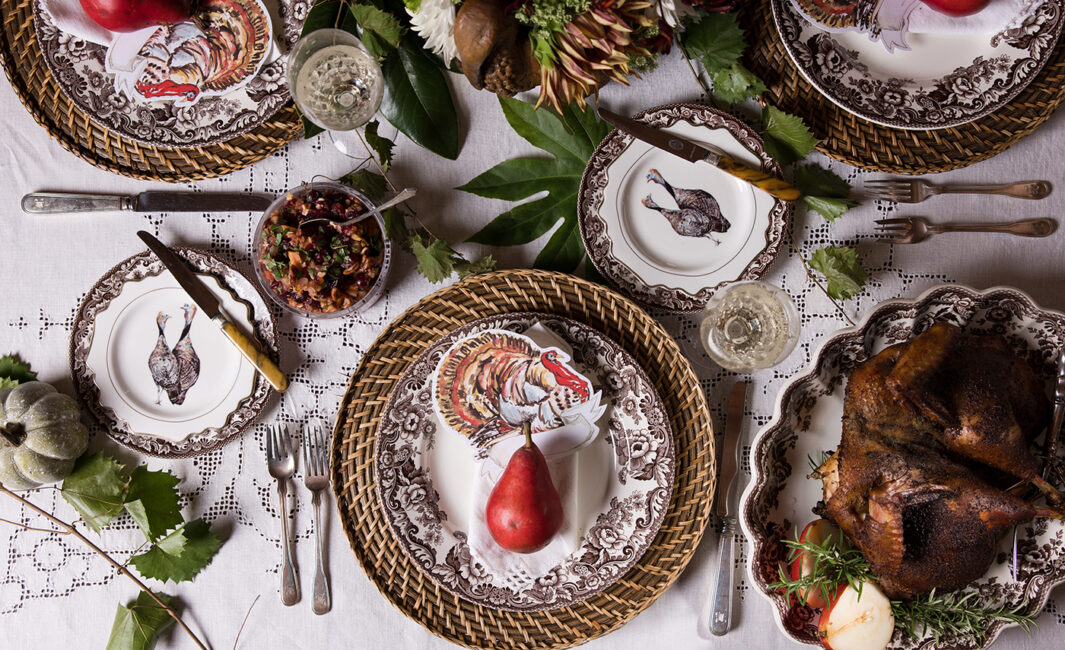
(901, 486)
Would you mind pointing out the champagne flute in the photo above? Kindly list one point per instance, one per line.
(749, 326)
(336, 82)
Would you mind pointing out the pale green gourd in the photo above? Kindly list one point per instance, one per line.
(41, 435)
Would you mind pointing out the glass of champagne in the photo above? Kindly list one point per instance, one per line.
(749, 326)
(336, 82)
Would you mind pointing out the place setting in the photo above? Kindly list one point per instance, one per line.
(545, 357)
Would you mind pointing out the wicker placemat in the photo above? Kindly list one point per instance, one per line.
(30, 77)
(380, 555)
(858, 142)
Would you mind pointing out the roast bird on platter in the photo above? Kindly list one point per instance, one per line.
(489, 384)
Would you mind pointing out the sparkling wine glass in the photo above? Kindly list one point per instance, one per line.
(336, 82)
(749, 326)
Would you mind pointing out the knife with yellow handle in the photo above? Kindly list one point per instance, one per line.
(208, 303)
(692, 152)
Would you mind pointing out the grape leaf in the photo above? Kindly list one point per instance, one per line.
(136, 627)
(180, 555)
(824, 191)
(418, 100)
(96, 488)
(842, 268)
(787, 138)
(434, 259)
(7, 382)
(383, 24)
(465, 269)
(382, 146)
(570, 138)
(153, 501)
(373, 185)
(735, 84)
(717, 39)
(15, 369)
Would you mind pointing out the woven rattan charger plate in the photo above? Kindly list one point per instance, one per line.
(29, 75)
(858, 142)
(414, 593)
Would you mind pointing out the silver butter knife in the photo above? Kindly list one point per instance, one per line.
(721, 617)
(161, 201)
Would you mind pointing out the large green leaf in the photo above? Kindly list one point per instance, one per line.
(96, 489)
(136, 627)
(152, 501)
(418, 100)
(571, 138)
(180, 555)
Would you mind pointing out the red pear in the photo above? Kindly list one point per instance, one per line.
(524, 511)
(131, 15)
(957, 8)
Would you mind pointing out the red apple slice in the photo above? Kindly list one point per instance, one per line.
(816, 532)
(851, 622)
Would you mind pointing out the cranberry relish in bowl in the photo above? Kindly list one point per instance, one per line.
(321, 269)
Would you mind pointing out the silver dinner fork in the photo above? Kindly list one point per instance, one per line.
(911, 230)
(915, 190)
(315, 448)
(282, 464)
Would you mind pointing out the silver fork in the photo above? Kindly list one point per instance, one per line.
(915, 190)
(911, 230)
(282, 464)
(315, 448)
(399, 198)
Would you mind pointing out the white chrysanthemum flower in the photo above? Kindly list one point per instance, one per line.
(435, 22)
(673, 11)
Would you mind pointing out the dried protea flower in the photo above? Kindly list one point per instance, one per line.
(593, 48)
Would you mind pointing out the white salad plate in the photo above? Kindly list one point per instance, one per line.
(943, 80)
(158, 373)
(636, 200)
(427, 475)
(807, 421)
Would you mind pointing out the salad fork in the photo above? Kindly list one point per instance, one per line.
(911, 230)
(282, 464)
(915, 190)
(315, 448)
(366, 214)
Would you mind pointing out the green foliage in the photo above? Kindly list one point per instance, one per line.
(373, 185)
(97, 489)
(384, 25)
(382, 146)
(717, 40)
(787, 138)
(823, 191)
(570, 138)
(14, 371)
(181, 555)
(841, 268)
(735, 84)
(418, 100)
(136, 627)
(152, 501)
(434, 258)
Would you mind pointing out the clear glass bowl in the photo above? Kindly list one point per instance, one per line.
(375, 290)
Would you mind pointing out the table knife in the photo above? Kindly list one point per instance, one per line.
(207, 302)
(692, 152)
(65, 202)
(721, 617)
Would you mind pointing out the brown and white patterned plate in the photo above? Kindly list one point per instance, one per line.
(426, 472)
(943, 80)
(669, 232)
(130, 352)
(807, 422)
(79, 70)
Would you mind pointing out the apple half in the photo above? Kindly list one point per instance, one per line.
(853, 622)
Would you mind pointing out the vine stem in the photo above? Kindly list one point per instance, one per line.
(39, 530)
(691, 66)
(121, 569)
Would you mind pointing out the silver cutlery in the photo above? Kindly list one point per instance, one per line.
(65, 202)
(315, 449)
(721, 617)
(915, 190)
(911, 230)
(399, 198)
(282, 464)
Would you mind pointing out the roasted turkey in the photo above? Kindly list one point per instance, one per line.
(929, 429)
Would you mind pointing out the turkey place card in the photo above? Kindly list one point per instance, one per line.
(490, 383)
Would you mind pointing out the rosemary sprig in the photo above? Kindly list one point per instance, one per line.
(956, 615)
(950, 614)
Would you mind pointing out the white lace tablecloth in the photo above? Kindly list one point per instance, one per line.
(54, 593)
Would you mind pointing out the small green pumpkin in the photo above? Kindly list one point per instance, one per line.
(41, 435)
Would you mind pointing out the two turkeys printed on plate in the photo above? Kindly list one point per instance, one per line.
(489, 384)
(174, 370)
(698, 214)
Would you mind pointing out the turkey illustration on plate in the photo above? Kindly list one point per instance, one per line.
(698, 214)
(488, 384)
(174, 370)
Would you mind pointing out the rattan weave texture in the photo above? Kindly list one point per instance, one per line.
(30, 77)
(864, 144)
(384, 561)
